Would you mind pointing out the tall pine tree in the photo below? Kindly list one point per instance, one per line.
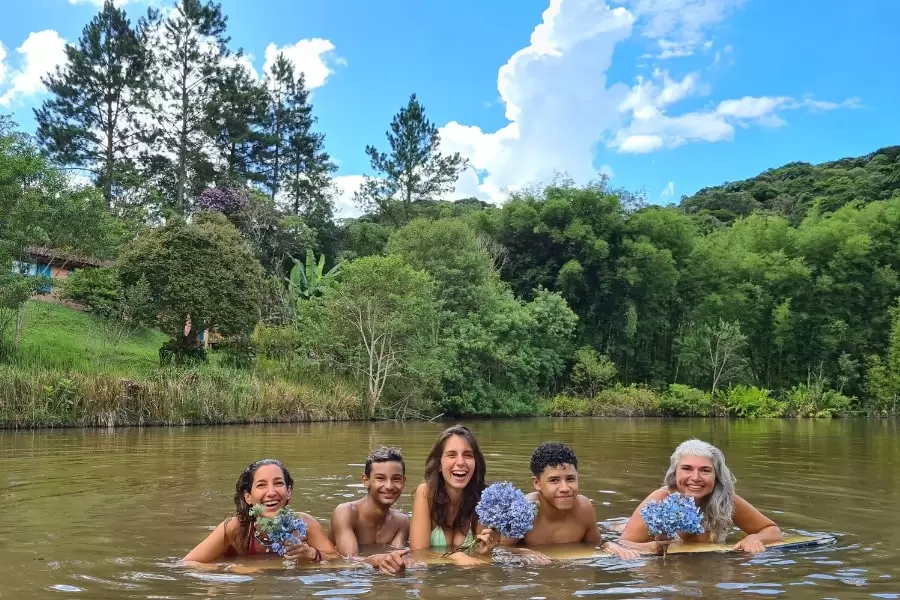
(298, 169)
(189, 60)
(234, 118)
(413, 171)
(93, 119)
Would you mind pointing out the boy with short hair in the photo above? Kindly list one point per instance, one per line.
(372, 519)
(564, 516)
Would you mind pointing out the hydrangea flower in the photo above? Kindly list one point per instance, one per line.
(504, 507)
(675, 513)
(281, 531)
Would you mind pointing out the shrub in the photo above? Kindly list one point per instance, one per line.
(684, 401)
(630, 401)
(569, 406)
(97, 289)
(752, 403)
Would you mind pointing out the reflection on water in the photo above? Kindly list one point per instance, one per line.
(105, 514)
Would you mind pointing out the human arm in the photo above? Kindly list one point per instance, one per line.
(214, 546)
(420, 524)
(760, 529)
(402, 535)
(587, 515)
(341, 531)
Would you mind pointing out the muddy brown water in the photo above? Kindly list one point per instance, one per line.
(106, 514)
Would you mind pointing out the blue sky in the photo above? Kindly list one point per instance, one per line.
(663, 95)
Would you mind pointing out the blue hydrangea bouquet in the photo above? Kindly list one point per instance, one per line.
(677, 513)
(504, 508)
(281, 531)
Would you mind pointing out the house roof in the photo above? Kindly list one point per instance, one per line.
(69, 259)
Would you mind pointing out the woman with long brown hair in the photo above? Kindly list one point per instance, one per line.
(443, 514)
(268, 483)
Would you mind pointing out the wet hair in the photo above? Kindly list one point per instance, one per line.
(552, 454)
(244, 484)
(718, 506)
(438, 500)
(382, 455)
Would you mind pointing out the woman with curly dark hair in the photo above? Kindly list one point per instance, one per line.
(267, 483)
(443, 514)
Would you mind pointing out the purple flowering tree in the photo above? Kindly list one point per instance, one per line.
(227, 201)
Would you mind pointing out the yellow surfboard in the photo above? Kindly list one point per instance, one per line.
(557, 553)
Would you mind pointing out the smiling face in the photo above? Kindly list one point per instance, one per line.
(270, 489)
(457, 462)
(385, 482)
(695, 476)
(557, 486)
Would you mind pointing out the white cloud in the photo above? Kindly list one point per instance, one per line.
(346, 186)
(679, 26)
(41, 52)
(315, 58)
(2, 63)
(556, 100)
(651, 129)
(560, 105)
(668, 191)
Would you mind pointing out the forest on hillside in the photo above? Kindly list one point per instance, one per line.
(777, 295)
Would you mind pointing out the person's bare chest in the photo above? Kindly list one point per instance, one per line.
(377, 533)
(544, 533)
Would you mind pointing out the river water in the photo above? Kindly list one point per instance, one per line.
(106, 514)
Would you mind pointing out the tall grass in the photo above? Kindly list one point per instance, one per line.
(67, 372)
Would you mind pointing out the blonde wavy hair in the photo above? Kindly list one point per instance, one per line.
(718, 507)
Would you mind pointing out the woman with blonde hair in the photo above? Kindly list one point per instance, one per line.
(697, 469)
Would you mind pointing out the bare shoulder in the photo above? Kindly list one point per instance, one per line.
(531, 496)
(586, 507)
(343, 511)
(659, 494)
(398, 514)
(422, 490)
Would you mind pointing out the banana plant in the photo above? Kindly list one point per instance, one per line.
(309, 279)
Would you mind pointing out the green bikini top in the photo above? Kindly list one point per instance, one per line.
(439, 540)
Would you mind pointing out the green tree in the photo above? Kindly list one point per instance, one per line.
(380, 321)
(414, 170)
(714, 352)
(188, 63)
(200, 272)
(99, 95)
(233, 120)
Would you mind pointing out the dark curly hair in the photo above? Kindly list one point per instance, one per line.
(382, 455)
(552, 454)
(243, 484)
(439, 501)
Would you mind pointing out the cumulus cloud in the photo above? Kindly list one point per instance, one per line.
(650, 128)
(315, 58)
(40, 54)
(557, 103)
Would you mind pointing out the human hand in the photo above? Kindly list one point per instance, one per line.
(620, 551)
(302, 552)
(390, 563)
(663, 543)
(487, 540)
(751, 543)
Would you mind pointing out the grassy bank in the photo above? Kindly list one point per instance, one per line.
(68, 372)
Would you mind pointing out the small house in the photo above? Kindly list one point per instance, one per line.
(55, 264)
